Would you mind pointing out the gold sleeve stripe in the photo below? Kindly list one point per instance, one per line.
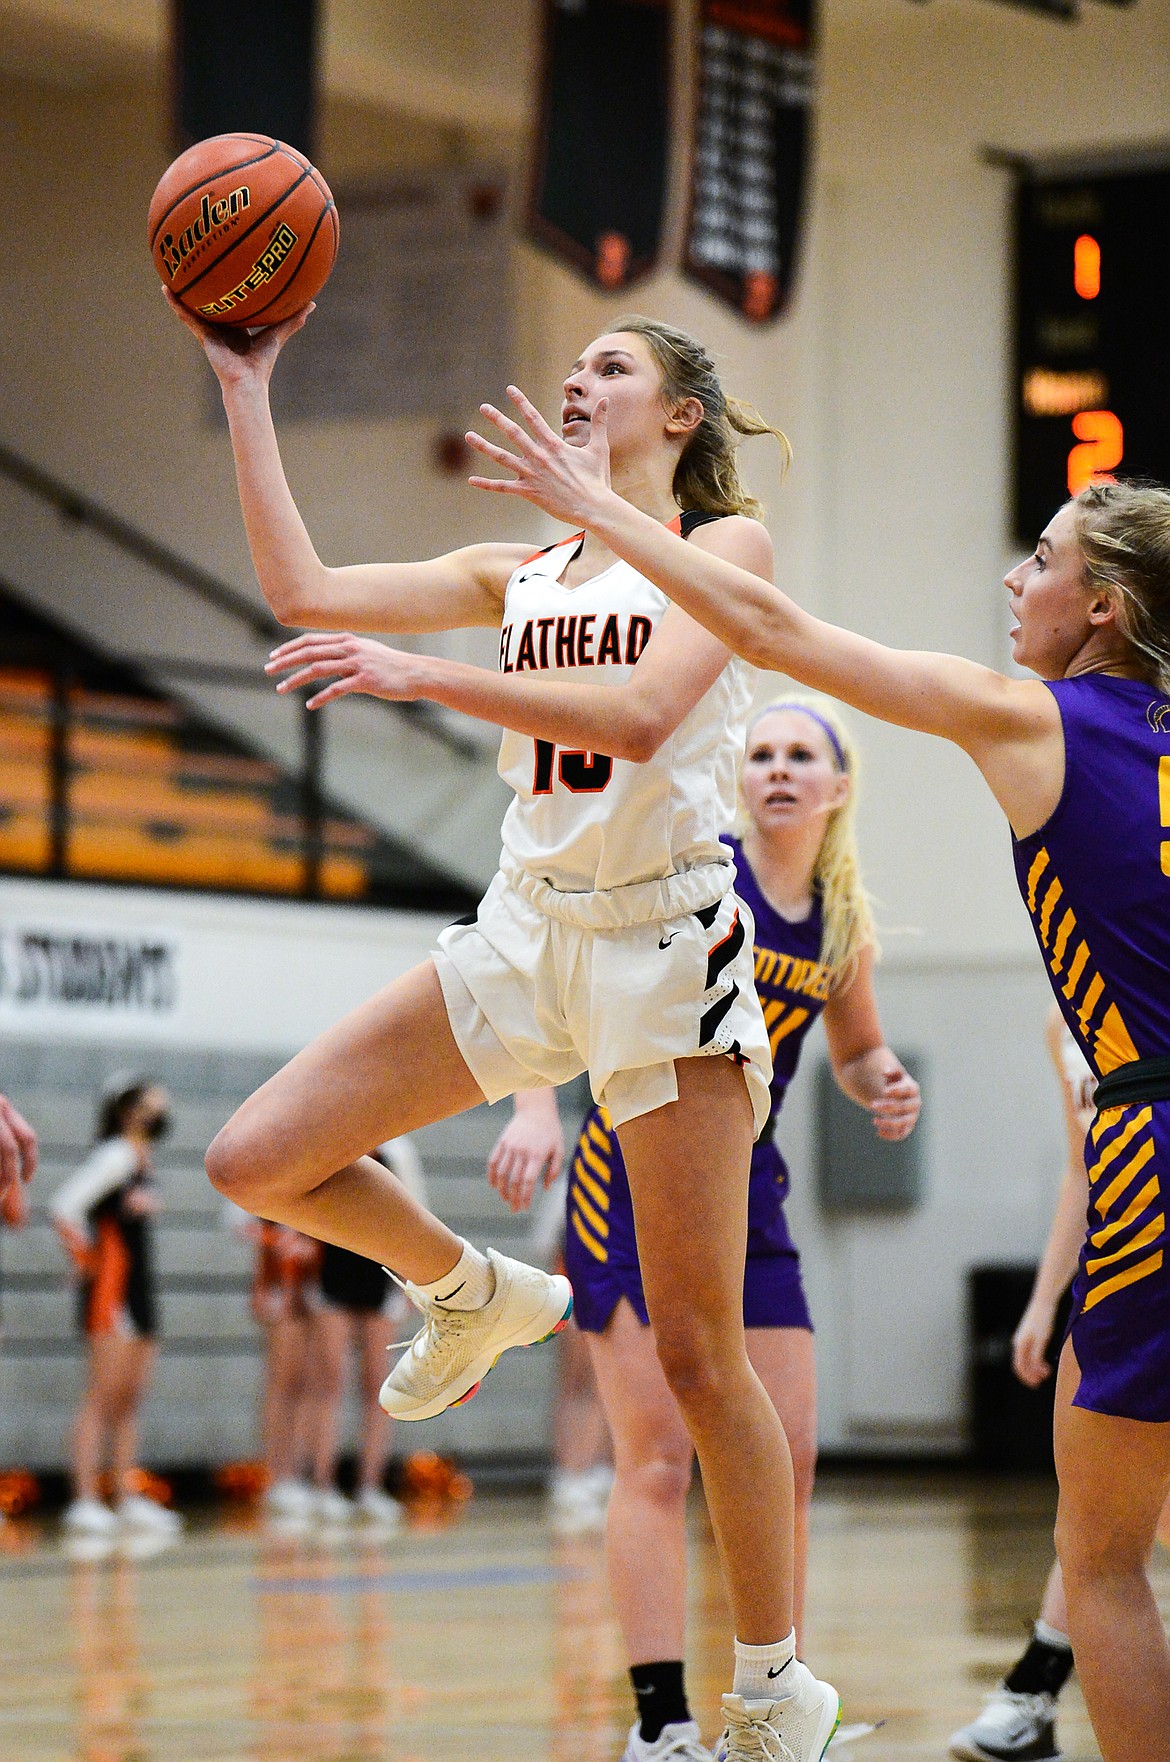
(1067, 925)
(1119, 1280)
(1089, 1003)
(1143, 1239)
(1105, 1201)
(595, 1248)
(1034, 874)
(1116, 1145)
(593, 1218)
(1102, 1237)
(1080, 959)
(1050, 902)
(594, 1189)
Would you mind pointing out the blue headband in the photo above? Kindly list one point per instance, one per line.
(821, 722)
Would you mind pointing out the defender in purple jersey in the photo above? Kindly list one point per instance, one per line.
(1092, 610)
(797, 876)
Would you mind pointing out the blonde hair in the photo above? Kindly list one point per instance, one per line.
(707, 475)
(1124, 533)
(846, 913)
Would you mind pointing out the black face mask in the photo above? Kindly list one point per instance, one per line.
(157, 1126)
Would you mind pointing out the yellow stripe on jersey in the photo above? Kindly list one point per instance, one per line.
(591, 1159)
(1047, 909)
(1067, 925)
(779, 1023)
(599, 1136)
(593, 1218)
(594, 1188)
(596, 1249)
(1104, 1202)
(1133, 1211)
(1116, 1145)
(1143, 1239)
(1119, 1280)
(1034, 874)
(1111, 1045)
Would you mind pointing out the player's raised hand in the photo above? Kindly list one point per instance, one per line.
(562, 477)
(237, 355)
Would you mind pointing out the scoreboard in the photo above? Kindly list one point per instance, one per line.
(1092, 314)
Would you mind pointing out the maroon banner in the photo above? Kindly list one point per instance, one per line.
(751, 149)
(598, 186)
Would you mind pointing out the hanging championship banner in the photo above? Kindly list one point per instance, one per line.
(751, 146)
(599, 165)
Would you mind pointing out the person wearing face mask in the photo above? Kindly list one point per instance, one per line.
(797, 870)
(104, 1216)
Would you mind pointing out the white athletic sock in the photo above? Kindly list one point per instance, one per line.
(469, 1285)
(1051, 1636)
(764, 1673)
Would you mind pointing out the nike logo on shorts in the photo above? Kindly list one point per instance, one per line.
(665, 941)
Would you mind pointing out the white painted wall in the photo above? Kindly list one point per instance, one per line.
(891, 375)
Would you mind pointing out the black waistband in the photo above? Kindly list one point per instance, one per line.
(1142, 1080)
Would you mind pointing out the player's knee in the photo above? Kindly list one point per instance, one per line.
(663, 1477)
(235, 1166)
(690, 1365)
(1086, 1550)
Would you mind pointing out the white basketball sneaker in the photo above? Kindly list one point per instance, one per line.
(1011, 1728)
(796, 1729)
(451, 1354)
(674, 1743)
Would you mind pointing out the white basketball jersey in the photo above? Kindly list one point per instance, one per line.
(584, 821)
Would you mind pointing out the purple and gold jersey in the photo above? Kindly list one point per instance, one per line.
(601, 1253)
(1096, 882)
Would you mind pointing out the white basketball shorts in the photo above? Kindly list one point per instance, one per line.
(545, 985)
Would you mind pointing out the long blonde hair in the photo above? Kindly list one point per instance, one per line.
(707, 475)
(1124, 533)
(846, 913)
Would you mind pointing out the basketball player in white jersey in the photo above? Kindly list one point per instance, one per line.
(610, 941)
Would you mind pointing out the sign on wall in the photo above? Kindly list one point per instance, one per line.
(86, 976)
(599, 167)
(751, 150)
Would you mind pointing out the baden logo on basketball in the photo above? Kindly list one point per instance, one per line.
(210, 217)
(264, 268)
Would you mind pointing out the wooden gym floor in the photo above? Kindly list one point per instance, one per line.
(490, 1639)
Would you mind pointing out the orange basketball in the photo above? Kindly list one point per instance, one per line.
(243, 230)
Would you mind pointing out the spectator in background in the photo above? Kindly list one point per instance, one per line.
(530, 1152)
(18, 1161)
(104, 1214)
(358, 1311)
(285, 1296)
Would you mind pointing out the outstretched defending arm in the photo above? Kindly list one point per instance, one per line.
(999, 721)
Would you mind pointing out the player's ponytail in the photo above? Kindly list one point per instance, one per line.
(1124, 534)
(846, 914)
(707, 476)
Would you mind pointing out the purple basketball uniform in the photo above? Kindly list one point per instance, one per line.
(601, 1253)
(1096, 882)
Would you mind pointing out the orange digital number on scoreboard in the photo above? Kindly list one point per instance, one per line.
(1101, 443)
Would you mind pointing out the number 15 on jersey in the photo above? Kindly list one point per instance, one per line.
(582, 773)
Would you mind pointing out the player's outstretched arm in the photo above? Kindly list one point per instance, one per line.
(1010, 727)
(863, 1065)
(681, 661)
(462, 588)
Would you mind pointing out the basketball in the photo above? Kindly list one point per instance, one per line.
(243, 230)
